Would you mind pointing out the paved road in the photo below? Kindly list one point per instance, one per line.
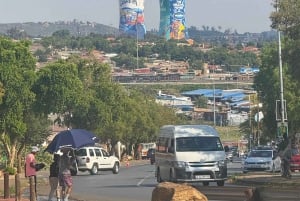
(136, 183)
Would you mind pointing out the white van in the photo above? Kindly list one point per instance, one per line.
(191, 154)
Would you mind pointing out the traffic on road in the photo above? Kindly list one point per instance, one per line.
(137, 181)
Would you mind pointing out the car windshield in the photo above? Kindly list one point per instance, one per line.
(267, 153)
(198, 144)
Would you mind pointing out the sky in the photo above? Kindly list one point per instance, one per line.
(240, 15)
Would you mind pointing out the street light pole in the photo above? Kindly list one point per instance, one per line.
(281, 77)
(137, 40)
(214, 95)
(137, 46)
(282, 105)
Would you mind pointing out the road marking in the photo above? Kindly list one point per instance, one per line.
(142, 180)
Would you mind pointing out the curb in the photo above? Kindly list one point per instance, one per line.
(266, 181)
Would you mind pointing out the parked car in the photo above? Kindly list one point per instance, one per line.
(94, 159)
(151, 155)
(295, 161)
(262, 159)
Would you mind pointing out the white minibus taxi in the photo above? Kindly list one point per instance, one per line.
(190, 154)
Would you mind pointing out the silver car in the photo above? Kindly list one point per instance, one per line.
(262, 160)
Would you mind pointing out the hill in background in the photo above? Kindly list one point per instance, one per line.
(42, 29)
(79, 28)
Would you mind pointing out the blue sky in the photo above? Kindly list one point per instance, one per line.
(241, 15)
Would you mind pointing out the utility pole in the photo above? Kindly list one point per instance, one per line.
(137, 46)
(250, 124)
(282, 111)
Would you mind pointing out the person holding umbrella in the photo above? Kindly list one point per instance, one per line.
(65, 177)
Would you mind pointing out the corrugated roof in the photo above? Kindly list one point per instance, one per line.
(230, 95)
(202, 92)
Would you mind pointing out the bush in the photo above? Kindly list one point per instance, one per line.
(10, 170)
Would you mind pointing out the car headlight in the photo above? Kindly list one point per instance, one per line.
(245, 163)
(221, 163)
(180, 164)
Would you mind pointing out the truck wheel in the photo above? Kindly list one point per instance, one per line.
(220, 183)
(116, 168)
(94, 169)
(73, 172)
(205, 183)
(158, 178)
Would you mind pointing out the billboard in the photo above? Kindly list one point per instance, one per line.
(132, 18)
(172, 19)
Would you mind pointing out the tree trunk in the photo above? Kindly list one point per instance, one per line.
(19, 158)
(11, 156)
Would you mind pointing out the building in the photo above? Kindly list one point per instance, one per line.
(182, 104)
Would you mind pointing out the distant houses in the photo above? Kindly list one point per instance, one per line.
(226, 107)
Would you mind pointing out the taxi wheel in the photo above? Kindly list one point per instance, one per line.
(205, 183)
(221, 183)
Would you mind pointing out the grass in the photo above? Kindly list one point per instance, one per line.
(229, 133)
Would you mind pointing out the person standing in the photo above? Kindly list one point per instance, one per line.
(286, 157)
(285, 154)
(65, 178)
(53, 178)
(30, 166)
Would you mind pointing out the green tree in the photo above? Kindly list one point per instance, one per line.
(17, 74)
(58, 90)
(285, 19)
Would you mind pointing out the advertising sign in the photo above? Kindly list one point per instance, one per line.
(282, 128)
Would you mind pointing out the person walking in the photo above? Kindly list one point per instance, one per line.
(53, 178)
(65, 178)
(30, 166)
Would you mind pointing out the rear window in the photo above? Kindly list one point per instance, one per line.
(266, 154)
(80, 152)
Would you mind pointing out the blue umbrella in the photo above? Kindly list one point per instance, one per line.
(74, 138)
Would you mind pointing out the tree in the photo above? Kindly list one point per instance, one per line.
(58, 90)
(286, 20)
(17, 74)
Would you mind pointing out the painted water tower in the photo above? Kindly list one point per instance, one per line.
(172, 19)
(132, 18)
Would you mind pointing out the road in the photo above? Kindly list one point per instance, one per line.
(194, 82)
(136, 183)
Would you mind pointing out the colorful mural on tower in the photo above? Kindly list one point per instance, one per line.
(132, 18)
(172, 19)
(164, 24)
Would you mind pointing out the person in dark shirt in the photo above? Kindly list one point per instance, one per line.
(53, 178)
(64, 175)
(285, 153)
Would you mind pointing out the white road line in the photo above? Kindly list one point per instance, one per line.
(142, 180)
